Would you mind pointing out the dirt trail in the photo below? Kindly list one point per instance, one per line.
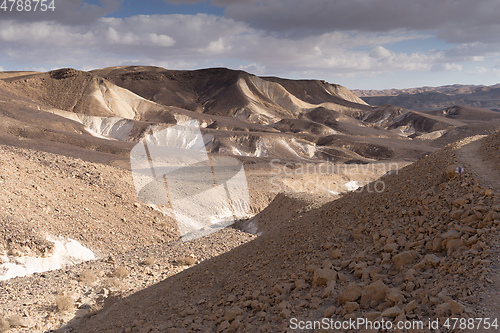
(482, 168)
(487, 172)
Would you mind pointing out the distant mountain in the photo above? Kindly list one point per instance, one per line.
(103, 113)
(434, 98)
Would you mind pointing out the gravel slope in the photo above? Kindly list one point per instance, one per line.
(421, 249)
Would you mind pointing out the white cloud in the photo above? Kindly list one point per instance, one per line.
(447, 67)
(194, 41)
(453, 21)
(380, 52)
(479, 70)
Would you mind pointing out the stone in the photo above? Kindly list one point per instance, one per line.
(330, 287)
(351, 307)
(391, 247)
(470, 219)
(432, 260)
(452, 233)
(456, 308)
(391, 312)
(457, 213)
(453, 245)
(337, 254)
(223, 326)
(411, 306)
(330, 311)
(404, 258)
(387, 233)
(395, 296)
(232, 313)
(374, 292)
(453, 170)
(442, 309)
(460, 202)
(437, 244)
(322, 276)
(350, 294)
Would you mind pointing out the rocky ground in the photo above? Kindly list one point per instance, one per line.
(426, 247)
(45, 194)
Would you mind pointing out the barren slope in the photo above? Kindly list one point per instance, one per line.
(423, 248)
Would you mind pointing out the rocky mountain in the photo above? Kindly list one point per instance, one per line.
(434, 98)
(104, 112)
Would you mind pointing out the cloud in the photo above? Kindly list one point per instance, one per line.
(455, 21)
(202, 40)
(447, 67)
(187, 41)
(380, 52)
(70, 12)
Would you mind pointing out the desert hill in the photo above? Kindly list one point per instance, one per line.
(427, 247)
(102, 113)
(433, 98)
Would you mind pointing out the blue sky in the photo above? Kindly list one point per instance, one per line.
(361, 44)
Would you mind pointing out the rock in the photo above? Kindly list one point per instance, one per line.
(404, 259)
(387, 233)
(456, 214)
(411, 306)
(330, 311)
(337, 254)
(315, 303)
(410, 275)
(456, 308)
(223, 326)
(395, 296)
(322, 276)
(460, 202)
(453, 245)
(391, 312)
(372, 315)
(4, 324)
(432, 260)
(452, 233)
(437, 244)
(350, 294)
(391, 247)
(470, 219)
(375, 292)
(232, 313)
(453, 170)
(489, 193)
(18, 321)
(442, 309)
(351, 307)
(330, 287)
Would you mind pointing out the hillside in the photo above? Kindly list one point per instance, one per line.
(99, 115)
(427, 247)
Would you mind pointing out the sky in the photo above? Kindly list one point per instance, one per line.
(360, 44)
